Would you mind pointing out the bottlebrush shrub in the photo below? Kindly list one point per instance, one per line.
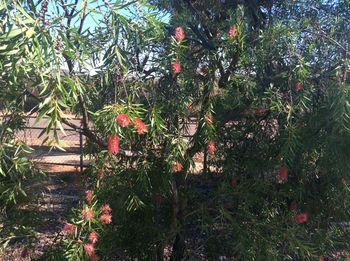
(122, 120)
(271, 46)
(259, 209)
(137, 184)
(132, 185)
(262, 207)
(85, 230)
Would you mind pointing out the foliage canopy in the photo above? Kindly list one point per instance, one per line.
(267, 82)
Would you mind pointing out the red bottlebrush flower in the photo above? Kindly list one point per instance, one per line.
(232, 32)
(158, 199)
(113, 144)
(89, 249)
(283, 174)
(88, 213)
(24, 253)
(260, 112)
(321, 258)
(293, 206)
(106, 209)
(89, 196)
(211, 147)
(190, 105)
(94, 257)
(301, 218)
(93, 237)
(177, 167)
(233, 182)
(123, 120)
(179, 33)
(140, 126)
(106, 218)
(69, 228)
(175, 67)
(298, 86)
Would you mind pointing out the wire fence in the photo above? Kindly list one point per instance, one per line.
(72, 143)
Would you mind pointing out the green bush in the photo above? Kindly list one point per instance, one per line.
(17, 172)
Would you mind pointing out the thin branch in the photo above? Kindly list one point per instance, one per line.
(90, 134)
(224, 77)
(82, 21)
(324, 35)
(204, 42)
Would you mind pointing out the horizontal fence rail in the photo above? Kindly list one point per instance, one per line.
(73, 142)
(44, 153)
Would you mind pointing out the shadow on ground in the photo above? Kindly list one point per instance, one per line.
(39, 221)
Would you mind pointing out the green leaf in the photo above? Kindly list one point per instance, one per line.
(30, 32)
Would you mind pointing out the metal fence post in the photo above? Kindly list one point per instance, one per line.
(81, 151)
(205, 160)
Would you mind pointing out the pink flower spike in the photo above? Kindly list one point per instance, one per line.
(232, 33)
(176, 67)
(88, 213)
(298, 86)
(123, 120)
(301, 218)
(211, 147)
(113, 144)
(106, 218)
(106, 209)
(89, 249)
(282, 174)
(69, 228)
(179, 34)
(177, 167)
(93, 237)
(140, 126)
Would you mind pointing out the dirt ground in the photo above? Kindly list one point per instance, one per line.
(42, 218)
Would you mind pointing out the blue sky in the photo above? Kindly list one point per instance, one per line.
(95, 12)
(97, 9)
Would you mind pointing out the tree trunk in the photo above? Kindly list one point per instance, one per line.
(179, 243)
